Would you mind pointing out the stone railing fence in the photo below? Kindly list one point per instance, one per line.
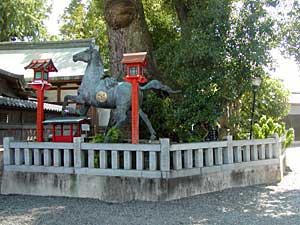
(163, 160)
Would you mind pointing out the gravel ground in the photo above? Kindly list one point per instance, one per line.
(262, 204)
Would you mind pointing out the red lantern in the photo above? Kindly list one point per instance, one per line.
(135, 63)
(41, 68)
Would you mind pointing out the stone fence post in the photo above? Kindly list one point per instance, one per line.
(277, 150)
(78, 159)
(8, 156)
(228, 153)
(164, 156)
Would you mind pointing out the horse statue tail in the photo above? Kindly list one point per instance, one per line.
(155, 84)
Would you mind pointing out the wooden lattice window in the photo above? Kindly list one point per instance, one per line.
(28, 118)
(3, 118)
(133, 70)
(38, 75)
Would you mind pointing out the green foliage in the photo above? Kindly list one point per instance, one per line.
(289, 138)
(271, 100)
(267, 127)
(166, 120)
(160, 111)
(290, 30)
(211, 57)
(162, 116)
(212, 63)
(193, 64)
(113, 136)
(99, 138)
(23, 19)
(86, 20)
(162, 22)
(96, 159)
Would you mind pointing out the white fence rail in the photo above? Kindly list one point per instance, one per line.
(143, 160)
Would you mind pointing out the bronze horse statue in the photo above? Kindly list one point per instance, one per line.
(106, 92)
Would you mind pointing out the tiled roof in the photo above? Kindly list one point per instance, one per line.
(46, 44)
(139, 57)
(70, 119)
(40, 64)
(27, 104)
(11, 75)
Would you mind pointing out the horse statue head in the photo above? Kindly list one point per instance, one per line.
(92, 57)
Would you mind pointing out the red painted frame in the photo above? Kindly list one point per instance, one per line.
(66, 138)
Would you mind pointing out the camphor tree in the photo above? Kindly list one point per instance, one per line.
(223, 45)
(132, 26)
(127, 32)
(209, 49)
(23, 19)
(162, 22)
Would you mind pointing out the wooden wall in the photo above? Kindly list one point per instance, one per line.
(5, 88)
(20, 123)
(294, 122)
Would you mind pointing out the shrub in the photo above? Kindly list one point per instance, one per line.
(99, 138)
(266, 127)
(113, 136)
(289, 138)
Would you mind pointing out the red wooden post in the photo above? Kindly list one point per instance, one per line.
(40, 88)
(40, 115)
(135, 112)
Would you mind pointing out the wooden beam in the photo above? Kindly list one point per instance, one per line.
(66, 81)
(54, 88)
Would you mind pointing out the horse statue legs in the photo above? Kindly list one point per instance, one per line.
(120, 115)
(148, 124)
(82, 110)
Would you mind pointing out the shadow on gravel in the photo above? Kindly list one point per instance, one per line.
(251, 205)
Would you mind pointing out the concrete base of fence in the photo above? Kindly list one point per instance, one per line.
(1, 166)
(283, 164)
(121, 189)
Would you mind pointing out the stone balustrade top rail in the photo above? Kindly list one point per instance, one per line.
(163, 160)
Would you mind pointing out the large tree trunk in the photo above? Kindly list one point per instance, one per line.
(3, 33)
(128, 32)
(182, 10)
